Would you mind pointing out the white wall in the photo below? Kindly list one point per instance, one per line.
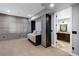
(65, 13)
(38, 25)
(75, 27)
(64, 16)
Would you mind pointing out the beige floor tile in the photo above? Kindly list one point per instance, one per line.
(63, 45)
(22, 47)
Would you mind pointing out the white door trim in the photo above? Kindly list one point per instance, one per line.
(71, 33)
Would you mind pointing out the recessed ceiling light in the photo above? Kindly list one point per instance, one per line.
(51, 5)
(8, 11)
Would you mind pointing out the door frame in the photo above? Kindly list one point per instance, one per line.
(55, 36)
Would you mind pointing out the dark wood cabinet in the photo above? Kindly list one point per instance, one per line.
(48, 30)
(32, 26)
(63, 36)
(37, 40)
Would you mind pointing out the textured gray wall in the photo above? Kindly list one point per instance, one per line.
(52, 28)
(38, 24)
(29, 27)
(12, 27)
(43, 23)
(75, 27)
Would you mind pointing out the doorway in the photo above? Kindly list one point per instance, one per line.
(63, 34)
(62, 31)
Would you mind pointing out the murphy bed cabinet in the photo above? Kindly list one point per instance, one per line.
(46, 30)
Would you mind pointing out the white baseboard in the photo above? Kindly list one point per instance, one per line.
(73, 54)
(53, 46)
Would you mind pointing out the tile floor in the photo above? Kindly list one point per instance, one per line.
(22, 47)
(63, 45)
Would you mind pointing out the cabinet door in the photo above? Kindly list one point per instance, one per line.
(48, 30)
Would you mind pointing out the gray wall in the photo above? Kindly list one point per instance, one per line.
(12, 27)
(29, 27)
(75, 27)
(52, 28)
(38, 24)
(43, 23)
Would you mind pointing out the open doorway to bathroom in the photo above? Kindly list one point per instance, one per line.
(63, 30)
(63, 34)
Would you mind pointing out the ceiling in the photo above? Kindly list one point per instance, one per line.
(21, 9)
(30, 9)
(57, 6)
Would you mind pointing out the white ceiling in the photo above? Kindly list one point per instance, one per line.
(57, 6)
(48, 9)
(21, 9)
(30, 9)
